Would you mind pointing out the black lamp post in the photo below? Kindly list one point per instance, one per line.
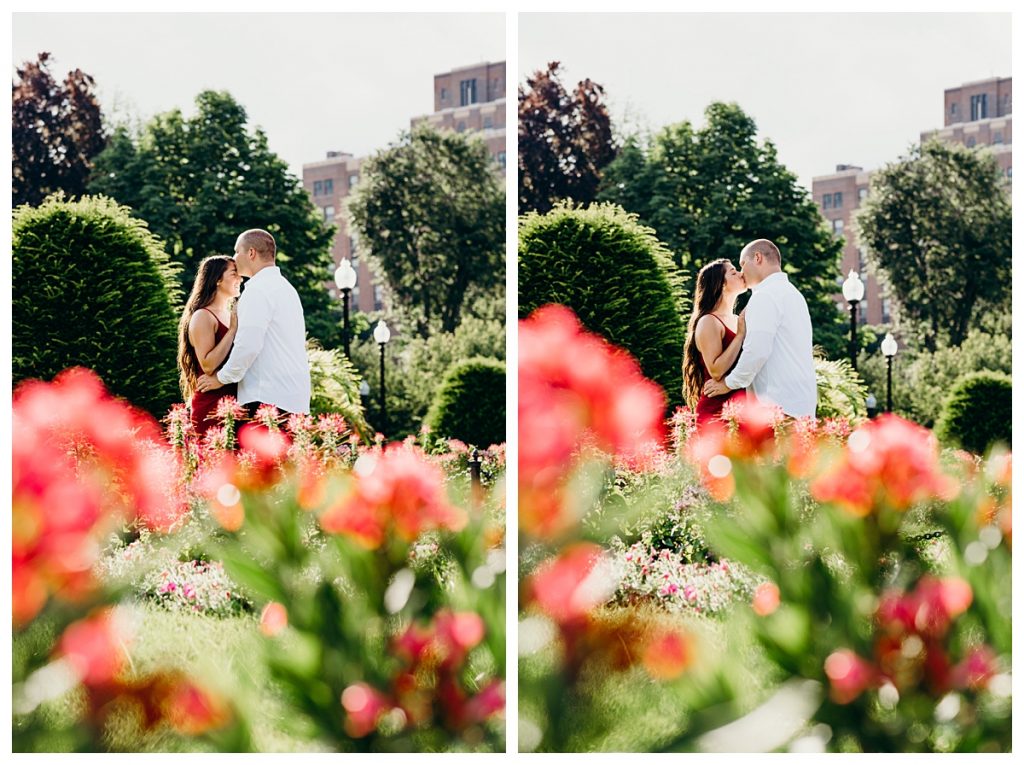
(872, 405)
(853, 291)
(382, 335)
(889, 349)
(345, 277)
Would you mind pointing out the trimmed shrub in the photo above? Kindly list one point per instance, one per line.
(335, 387)
(93, 287)
(977, 413)
(841, 393)
(612, 271)
(470, 403)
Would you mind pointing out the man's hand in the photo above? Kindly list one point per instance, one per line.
(208, 382)
(715, 388)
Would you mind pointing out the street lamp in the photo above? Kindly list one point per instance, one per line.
(872, 404)
(853, 291)
(889, 349)
(381, 334)
(345, 277)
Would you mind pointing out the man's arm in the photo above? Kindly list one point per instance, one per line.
(763, 317)
(253, 319)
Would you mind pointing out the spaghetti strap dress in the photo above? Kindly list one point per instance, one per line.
(204, 404)
(710, 407)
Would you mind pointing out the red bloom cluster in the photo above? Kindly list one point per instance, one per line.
(433, 657)
(573, 386)
(82, 461)
(94, 648)
(909, 649)
(888, 462)
(396, 488)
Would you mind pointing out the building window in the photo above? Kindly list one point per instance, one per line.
(329, 186)
(970, 142)
(862, 194)
(862, 313)
(461, 127)
(318, 188)
(352, 249)
(444, 95)
(837, 199)
(488, 123)
(467, 92)
(979, 107)
(826, 201)
(353, 180)
(886, 311)
(998, 138)
(329, 213)
(378, 298)
(862, 259)
(1009, 172)
(837, 226)
(952, 110)
(501, 159)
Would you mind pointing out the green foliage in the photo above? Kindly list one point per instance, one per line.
(470, 403)
(617, 277)
(841, 392)
(335, 384)
(429, 212)
(56, 131)
(200, 182)
(93, 287)
(922, 379)
(937, 226)
(978, 412)
(709, 191)
(564, 141)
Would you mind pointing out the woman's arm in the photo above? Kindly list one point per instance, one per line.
(718, 359)
(202, 329)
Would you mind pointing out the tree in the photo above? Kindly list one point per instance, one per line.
(56, 131)
(200, 182)
(429, 212)
(937, 227)
(564, 141)
(94, 288)
(709, 191)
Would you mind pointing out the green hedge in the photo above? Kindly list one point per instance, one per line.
(978, 412)
(470, 403)
(93, 287)
(601, 262)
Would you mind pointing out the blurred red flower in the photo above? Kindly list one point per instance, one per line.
(849, 675)
(564, 588)
(363, 706)
(94, 646)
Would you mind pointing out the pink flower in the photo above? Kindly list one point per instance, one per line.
(95, 648)
(849, 675)
(976, 669)
(560, 587)
(274, 619)
(766, 599)
(364, 706)
(690, 592)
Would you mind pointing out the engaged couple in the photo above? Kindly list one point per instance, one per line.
(254, 350)
(764, 352)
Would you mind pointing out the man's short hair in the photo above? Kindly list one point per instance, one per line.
(767, 248)
(259, 240)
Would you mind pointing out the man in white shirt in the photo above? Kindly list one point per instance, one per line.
(777, 362)
(268, 359)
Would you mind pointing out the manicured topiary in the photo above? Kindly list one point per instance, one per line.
(616, 276)
(470, 403)
(977, 413)
(93, 287)
(841, 392)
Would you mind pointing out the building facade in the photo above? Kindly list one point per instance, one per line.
(976, 115)
(470, 99)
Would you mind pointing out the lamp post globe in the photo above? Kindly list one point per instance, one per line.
(853, 291)
(889, 348)
(345, 277)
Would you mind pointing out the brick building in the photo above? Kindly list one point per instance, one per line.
(976, 115)
(470, 99)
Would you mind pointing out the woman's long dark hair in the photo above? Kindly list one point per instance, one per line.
(204, 289)
(710, 283)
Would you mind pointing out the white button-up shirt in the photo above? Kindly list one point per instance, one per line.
(268, 360)
(777, 363)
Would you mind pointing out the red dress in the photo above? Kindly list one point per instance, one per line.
(710, 407)
(204, 404)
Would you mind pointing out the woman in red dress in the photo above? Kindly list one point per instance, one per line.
(206, 333)
(715, 337)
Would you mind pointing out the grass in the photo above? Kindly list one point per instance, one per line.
(220, 652)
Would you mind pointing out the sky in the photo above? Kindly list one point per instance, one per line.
(827, 89)
(313, 82)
